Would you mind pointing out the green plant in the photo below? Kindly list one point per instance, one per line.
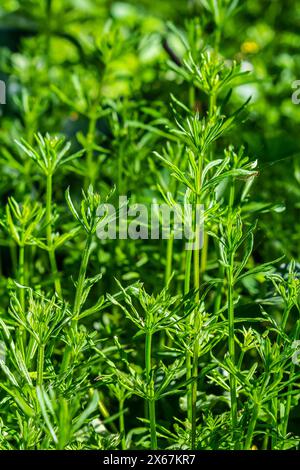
(173, 342)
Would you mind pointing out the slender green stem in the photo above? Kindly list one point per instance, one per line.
(212, 103)
(150, 389)
(51, 250)
(122, 424)
(196, 351)
(251, 427)
(274, 406)
(105, 413)
(240, 361)
(78, 298)
(21, 333)
(196, 318)
(218, 299)
(152, 419)
(81, 277)
(204, 253)
(187, 285)
(285, 317)
(289, 397)
(168, 273)
(231, 346)
(187, 272)
(192, 97)
(22, 274)
(40, 364)
(169, 258)
(231, 340)
(187, 282)
(288, 404)
(197, 264)
(231, 199)
(266, 439)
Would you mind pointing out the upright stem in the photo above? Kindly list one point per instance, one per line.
(196, 351)
(197, 260)
(231, 346)
(196, 314)
(78, 298)
(212, 103)
(150, 389)
(187, 282)
(251, 427)
(51, 250)
(285, 317)
(122, 424)
(168, 273)
(22, 274)
(218, 300)
(40, 364)
(169, 258)
(21, 332)
(81, 278)
(288, 403)
(192, 97)
(204, 252)
(105, 413)
(187, 285)
(289, 397)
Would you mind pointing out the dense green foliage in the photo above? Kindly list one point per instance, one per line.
(118, 344)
